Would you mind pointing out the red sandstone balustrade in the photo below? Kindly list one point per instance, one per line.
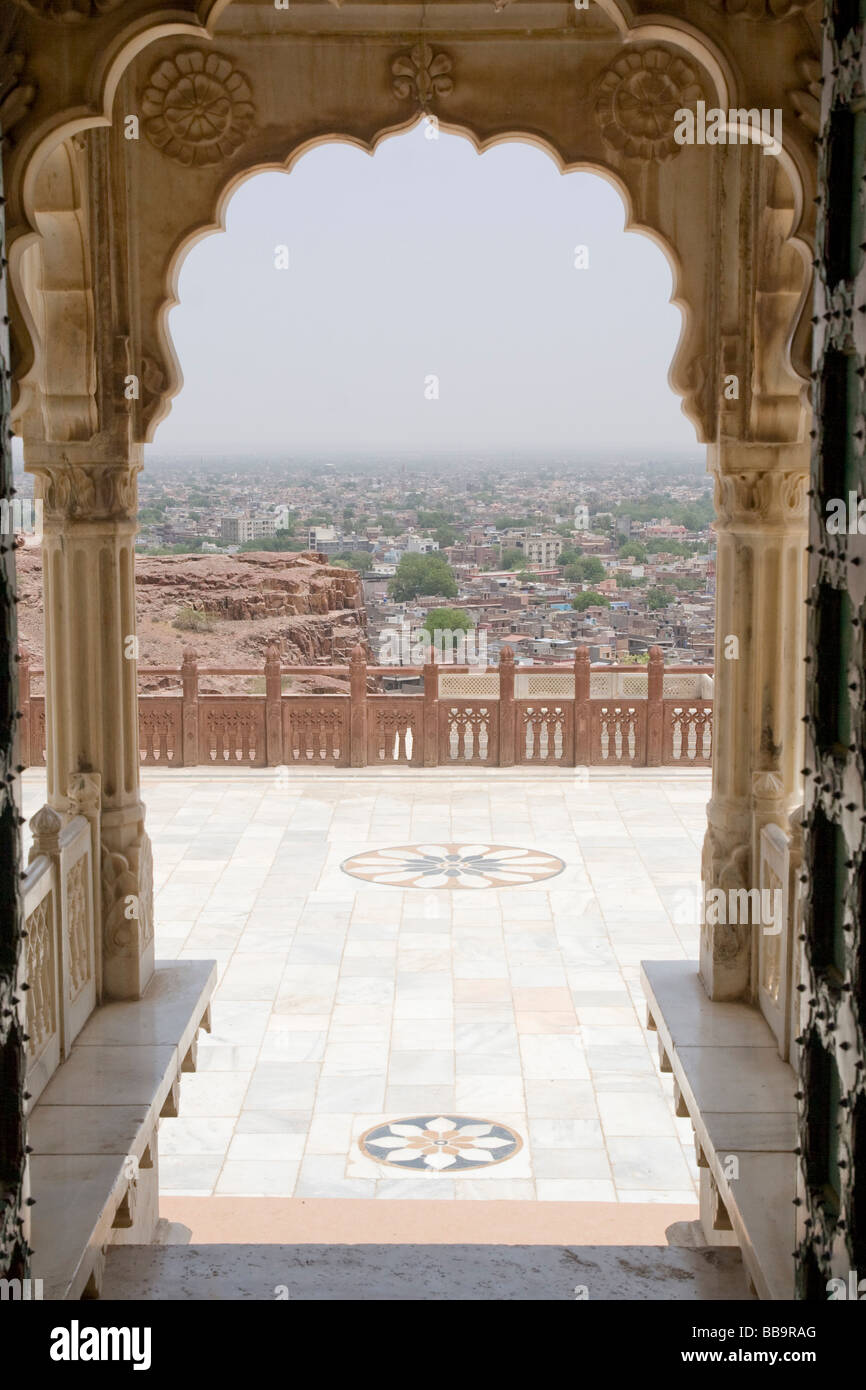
(488, 725)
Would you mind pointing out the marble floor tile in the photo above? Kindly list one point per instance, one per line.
(648, 1163)
(342, 1001)
(631, 1113)
(271, 1148)
(257, 1178)
(574, 1190)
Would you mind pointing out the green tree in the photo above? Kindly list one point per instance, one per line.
(587, 569)
(422, 574)
(634, 549)
(360, 560)
(448, 620)
(512, 558)
(444, 535)
(283, 540)
(589, 599)
(657, 598)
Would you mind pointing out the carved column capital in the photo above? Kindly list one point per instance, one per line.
(774, 499)
(87, 491)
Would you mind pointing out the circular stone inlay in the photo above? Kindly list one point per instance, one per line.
(453, 866)
(438, 1142)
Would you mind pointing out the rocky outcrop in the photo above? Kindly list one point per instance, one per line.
(313, 609)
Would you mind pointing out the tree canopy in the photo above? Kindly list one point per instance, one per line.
(586, 569)
(422, 574)
(589, 599)
(360, 560)
(657, 598)
(448, 620)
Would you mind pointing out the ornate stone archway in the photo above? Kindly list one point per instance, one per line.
(153, 117)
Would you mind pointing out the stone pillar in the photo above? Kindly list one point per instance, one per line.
(582, 731)
(761, 516)
(89, 494)
(274, 705)
(431, 714)
(358, 706)
(655, 694)
(189, 679)
(506, 707)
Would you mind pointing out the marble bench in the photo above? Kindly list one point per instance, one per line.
(740, 1097)
(93, 1133)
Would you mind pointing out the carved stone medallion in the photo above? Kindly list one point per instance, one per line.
(197, 107)
(421, 74)
(638, 98)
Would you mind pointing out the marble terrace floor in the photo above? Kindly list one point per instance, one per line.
(428, 980)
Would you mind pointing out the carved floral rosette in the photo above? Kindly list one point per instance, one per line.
(638, 98)
(421, 74)
(197, 108)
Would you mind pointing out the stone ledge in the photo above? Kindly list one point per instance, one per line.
(93, 1132)
(425, 1273)
(739, 1096)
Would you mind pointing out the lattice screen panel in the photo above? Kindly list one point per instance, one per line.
(831, 1208)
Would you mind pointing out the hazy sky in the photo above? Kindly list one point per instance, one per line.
(425, 260)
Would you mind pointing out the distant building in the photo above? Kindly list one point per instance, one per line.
(239, 528)
(539, 547)
(320, 537)
(420, 545)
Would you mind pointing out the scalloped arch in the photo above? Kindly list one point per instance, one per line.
(678, 374)
(165, 21)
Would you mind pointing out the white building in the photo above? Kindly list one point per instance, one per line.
(542, 549)
(320, 536)
(240, 528)
(420, 545)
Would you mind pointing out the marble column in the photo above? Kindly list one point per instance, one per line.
(761, 521)
(89, 496)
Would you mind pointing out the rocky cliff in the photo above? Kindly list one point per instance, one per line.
(227, 608)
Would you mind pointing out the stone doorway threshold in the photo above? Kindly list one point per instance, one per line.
(426, 1273)
(350, 1221)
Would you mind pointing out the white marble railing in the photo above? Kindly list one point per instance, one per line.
(60, 964)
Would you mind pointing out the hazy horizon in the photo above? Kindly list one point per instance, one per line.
(425, 260)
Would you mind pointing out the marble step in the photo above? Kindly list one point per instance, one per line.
(422, 1272)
